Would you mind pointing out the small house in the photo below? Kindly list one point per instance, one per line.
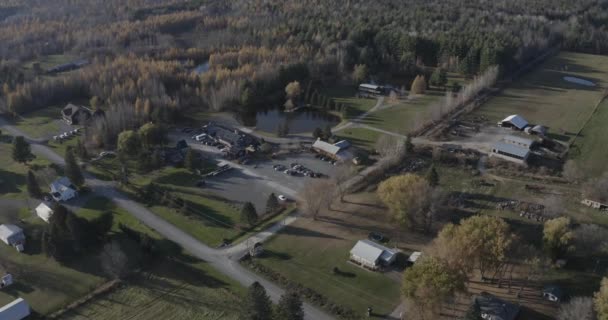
(6, 280)
(494, 308)
(372, 255)
(44, 212)
(553, 293)
(595, 204)
(76, 115)
(514, 121)
(16, 310)
(62, 189)
(13, 236)
(370, 90)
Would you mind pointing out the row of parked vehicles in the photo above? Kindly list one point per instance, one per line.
(296, 169)
(67, 135)
(324, 158)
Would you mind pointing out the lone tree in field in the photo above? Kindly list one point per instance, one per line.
(432, 177)
(600, 301)
(316, 195)
(407, 197)
(249, 215)
(272, 204)
(33, 189)
(257, 304)
(478, 243)
(579, 308)
(419, 85)
(428, 284)
(289, 307)
(558, 237)
(72, 170)
(22, 152)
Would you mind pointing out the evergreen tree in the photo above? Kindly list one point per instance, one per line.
(439, 78)
(409, 146)
(474, 312)
(257, 304)
(81, 150)
(290, 307)
(22, 152)
(317, 133)
(72, 170)
(327, 134)
(272, 204)
(432, 177)
(33, 189)
(156, 161)
(144, 162)
(249, 215)
(191, 161)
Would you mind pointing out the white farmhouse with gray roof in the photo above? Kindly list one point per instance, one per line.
(372, 255)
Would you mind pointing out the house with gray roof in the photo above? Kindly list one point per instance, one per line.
(372, 255)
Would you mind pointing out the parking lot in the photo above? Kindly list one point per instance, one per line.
(255, 181)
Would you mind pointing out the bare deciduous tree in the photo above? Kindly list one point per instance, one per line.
(391, 147)
(315, 196)
(341, 175)
(114, 261)
(579, 308)
(571, 171)
(554, 207)
(591, 239)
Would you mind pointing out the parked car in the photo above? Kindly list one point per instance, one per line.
(282, 197)
(106, 154)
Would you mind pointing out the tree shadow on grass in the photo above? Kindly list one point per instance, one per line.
(277, 255)
(9, 181)
(301, 232)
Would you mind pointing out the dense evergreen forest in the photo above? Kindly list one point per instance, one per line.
(142, 52)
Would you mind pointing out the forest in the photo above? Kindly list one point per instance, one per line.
(144, 51)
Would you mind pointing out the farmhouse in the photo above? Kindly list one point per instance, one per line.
(44, 212)
(335, 151)
(595, 204)
(12, 235)
(514, 121)
(63, 190)
(493, 308)
(372, 255)
(16, 310)
(76, 115)
(370, 90)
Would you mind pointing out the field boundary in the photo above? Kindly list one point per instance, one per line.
(597, 106)
(102, 289)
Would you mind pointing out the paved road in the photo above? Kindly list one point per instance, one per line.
(219, 259)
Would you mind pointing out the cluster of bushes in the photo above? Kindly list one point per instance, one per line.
(307, 293)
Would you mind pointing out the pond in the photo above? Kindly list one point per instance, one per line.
(300, 121)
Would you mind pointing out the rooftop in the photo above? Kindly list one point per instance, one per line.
(518, 140)
(516, 120)
(511, 149)
(494, 308)
(7, 230)
(371, 251)
(326, 147)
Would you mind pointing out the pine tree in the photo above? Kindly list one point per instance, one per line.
(81, 150)
(22, 152)
(327, 134)
(432, 177)
(439, 78)
(72, 170)
(409, 146)
(272, 204)
(249, 215)
(257, 304)
(317, 133)
(33, 189)
(191, 161)
(290, 307)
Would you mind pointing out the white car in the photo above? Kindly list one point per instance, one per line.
(282, 197)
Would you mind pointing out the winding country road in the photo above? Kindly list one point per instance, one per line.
(225, 261)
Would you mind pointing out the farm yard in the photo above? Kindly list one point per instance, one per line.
(589, 149)
(545, 97)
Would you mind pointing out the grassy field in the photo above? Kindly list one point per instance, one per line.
(360, 137)
(168, 291)
(544, 97)
(403, 116)
(589, 150)
(41, 123)
(347, 95)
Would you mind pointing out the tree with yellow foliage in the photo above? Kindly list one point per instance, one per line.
(407, 197)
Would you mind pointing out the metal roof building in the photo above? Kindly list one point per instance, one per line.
(510, 152)
(518, 141)
(16, 310)
(325, 147)
(515, 121)
(372, 255)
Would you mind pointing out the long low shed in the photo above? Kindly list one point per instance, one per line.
(16, 310)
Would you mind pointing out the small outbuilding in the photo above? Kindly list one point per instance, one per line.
(44, 212)
(414, 257)
(600, 205)
(62, 189)
(537, 130)
(370, 90)
(13, 236)
(553, 293)
(514, 121)
(372, 255)
(16, 310)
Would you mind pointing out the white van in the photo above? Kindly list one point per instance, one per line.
(200, 137)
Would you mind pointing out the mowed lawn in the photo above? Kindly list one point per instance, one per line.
(360, 137)
(589, 150)
(544, 97)
(169, 291)
(403, 116)
(43, 123)
(13, 174)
